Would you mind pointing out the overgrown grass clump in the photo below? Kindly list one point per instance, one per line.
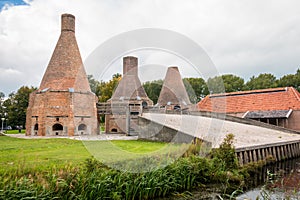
(94, 180)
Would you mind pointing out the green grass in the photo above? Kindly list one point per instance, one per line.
(41, 154)
(60, 169)
(140, 147)
(14, 131)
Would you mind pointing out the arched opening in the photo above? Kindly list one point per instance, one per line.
(144, 104)
(82, 129)
(114, 130)
(177, 107)
(57, 128)
(36, 128)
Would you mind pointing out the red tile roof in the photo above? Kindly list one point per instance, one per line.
(253, 100)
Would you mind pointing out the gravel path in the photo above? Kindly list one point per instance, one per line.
(85, 137)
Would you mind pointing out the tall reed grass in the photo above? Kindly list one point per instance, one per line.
(94, 180)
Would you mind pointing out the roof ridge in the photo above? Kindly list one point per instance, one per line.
(247, 92)
(296, 93)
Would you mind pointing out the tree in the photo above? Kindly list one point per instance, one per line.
(290, 80)
(196, 88)
(106, 89)
(233, 83)
(263, 81)
(94, 84)
(225, 83)
(152, 89)
(2, 95)
(16, 106)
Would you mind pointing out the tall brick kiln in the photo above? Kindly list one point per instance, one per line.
(64, 103)
(127, 101)
(173, 93)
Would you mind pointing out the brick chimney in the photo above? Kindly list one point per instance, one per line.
(68, 22)
(65, 69)
(130, 66)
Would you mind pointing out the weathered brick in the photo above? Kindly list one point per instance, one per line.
(64, 96)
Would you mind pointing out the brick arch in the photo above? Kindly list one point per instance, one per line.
(57, 129)
(82, 129)
(36, 127)
(114, 130)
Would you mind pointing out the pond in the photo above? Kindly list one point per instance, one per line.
(277, 181)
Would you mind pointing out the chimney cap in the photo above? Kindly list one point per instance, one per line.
(67, 22)
(68, 15)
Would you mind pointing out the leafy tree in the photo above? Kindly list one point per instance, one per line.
(215, 85)
(225, 83)
(262, 81)
(196, 88)
(94, 84)
(233, 83)
(290, 80)
(106, 89)
(152, 89)
(16, 105)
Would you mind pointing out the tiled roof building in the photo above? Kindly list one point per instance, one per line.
(278, 106)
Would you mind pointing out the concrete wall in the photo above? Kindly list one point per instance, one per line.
(149, 130)
(273, 152)
(294, 121)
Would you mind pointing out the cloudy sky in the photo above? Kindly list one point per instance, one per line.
(242, 37)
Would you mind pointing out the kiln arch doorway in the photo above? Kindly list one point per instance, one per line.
(82, 129)
(57, 129)
(114, 130)
(35, 129)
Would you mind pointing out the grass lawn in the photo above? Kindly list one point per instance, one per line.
(14, 131)
(44, 154)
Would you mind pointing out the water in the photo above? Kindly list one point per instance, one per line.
(277, 181)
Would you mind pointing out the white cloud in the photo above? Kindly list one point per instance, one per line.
(242, 37)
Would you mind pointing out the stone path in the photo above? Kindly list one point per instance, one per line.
(215, 130)
(86, 137)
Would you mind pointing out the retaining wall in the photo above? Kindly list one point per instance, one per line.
(276, 151)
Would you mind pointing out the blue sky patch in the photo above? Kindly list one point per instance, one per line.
(11, 2)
